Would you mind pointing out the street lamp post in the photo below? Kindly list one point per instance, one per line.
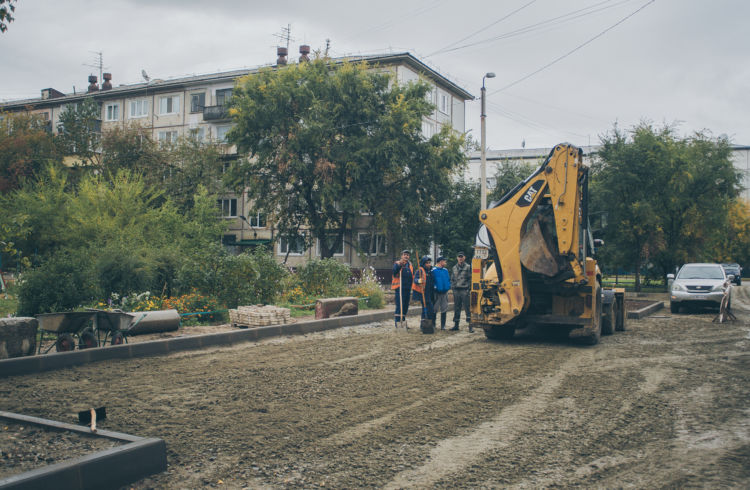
(483, 166)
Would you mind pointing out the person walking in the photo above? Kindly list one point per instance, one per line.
(461, 281)
(422, 290)
(403, 276)
(442, 280)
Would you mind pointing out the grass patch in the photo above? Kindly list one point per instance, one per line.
(8, 303)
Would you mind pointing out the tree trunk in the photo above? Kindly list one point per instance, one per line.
(638, 276)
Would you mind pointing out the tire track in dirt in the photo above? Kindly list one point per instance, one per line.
(456, 453)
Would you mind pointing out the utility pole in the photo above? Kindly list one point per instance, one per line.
(483, 167)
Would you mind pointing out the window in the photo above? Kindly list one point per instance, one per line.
(223, 96)
(221, 132)
(428, 129)
(228, 207)
(444, 103)
(167, 137)
(197, 102)
(198, 134)
(338, 245)
(371, 244)
(292, 246)
(139, 108)
(112, 112)
(169, 105)
(257, 220)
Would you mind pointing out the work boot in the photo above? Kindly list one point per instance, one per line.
(455, 327)
(443, 318)
(471, 329)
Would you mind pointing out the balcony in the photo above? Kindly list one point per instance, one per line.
(215, 113)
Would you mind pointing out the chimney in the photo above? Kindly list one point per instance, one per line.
(107, 85)
(304, 51)
(282, 52)
(93, 87)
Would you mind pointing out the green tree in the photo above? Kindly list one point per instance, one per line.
(25, 148)
(80, 131)
(733, 243)
(458, 220)
(7, 7)
(326, 142)
(665, 196)
(509, 174)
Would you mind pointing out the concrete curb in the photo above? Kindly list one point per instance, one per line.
(60, 360)
(136, 459)
(646, 311)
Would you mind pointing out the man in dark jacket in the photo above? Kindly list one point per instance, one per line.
(461, 281)
(422, 290)
(403, 275)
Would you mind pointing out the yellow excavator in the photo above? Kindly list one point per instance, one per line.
(533, 258)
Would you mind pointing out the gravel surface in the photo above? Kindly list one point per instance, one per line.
(663, 404)
(25, 447)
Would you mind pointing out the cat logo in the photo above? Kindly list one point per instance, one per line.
(528, 197)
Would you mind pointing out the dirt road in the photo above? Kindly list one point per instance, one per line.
(663, 404)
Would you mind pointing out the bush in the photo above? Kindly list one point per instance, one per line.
(271, 278)
(63, 282)
(123, 270)
(324, 278)
(368, 287)
(245, 279)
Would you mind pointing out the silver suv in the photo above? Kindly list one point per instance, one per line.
(698, 284)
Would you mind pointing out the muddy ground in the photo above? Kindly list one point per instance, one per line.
(663, 404)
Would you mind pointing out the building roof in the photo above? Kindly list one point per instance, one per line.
(158, 85)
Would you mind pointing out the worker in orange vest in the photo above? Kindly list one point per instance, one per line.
(403, 275)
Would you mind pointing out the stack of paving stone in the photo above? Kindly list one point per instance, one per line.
(256, 316)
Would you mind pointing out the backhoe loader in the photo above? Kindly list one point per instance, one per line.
(533, 258)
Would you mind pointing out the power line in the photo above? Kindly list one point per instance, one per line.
(554, 22)
(560, 58)
(395, 20)
(482, 29)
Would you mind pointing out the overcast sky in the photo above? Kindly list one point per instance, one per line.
(567, 70)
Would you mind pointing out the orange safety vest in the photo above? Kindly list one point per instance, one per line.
(396, 282)
(419, 287)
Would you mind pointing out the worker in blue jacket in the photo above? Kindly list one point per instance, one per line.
(442, 284)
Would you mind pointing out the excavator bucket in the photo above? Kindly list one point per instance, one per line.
(535, 254)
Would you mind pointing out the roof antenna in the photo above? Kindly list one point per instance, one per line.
(98, 63)
(145, 76)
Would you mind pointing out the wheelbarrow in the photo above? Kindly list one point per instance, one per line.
(119, 325)
(68, 326)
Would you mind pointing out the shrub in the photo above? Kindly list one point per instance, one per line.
(64, 281)
(124, 270)
(326, 277)
(368, 287)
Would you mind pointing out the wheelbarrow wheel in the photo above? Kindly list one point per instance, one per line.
(87, 339)
(64, 343)
(117, 338)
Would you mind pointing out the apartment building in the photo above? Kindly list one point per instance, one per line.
(195, 106)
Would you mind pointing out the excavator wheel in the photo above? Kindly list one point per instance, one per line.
(619, 312)
(596, 318)
(608, 319)
(500, 332)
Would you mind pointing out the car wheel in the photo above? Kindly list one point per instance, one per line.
(674, 307)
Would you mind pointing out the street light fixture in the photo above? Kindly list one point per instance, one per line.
(483, 167)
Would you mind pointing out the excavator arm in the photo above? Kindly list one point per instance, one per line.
(537, 227)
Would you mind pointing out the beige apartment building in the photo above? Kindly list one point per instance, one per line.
(195, 106)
